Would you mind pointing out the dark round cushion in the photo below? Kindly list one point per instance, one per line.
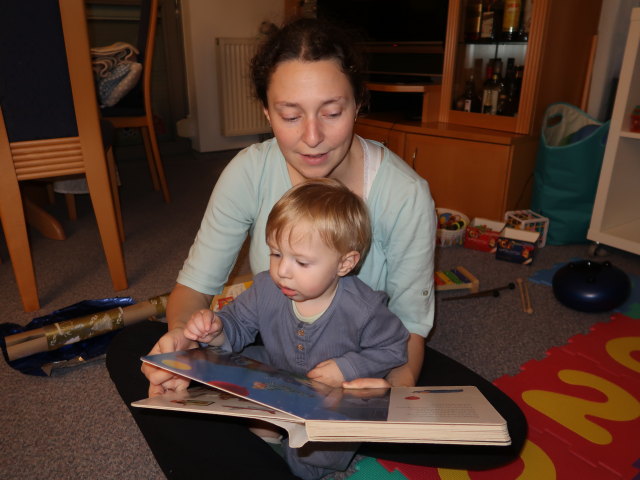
(590, 286)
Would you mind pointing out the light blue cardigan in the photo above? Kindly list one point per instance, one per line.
(400, 261)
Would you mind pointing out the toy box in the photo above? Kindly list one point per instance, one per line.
(530, 221)
(517, 246)
(451, 227)
(482, 234)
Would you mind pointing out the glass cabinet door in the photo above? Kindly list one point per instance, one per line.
(487, 47)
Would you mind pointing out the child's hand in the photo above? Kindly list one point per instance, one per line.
(203, 327)
(327, 372)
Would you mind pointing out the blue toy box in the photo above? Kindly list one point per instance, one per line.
(517, 246)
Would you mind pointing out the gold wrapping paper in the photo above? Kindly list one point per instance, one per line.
(72, 331)
(56, 335)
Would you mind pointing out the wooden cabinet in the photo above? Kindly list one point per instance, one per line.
(480, 172)
(393, 139)
(616, 213)
(556, 57)
(478, 178)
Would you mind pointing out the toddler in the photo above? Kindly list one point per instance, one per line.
(313, 315)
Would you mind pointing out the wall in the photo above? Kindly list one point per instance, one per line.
(612, 38)
(203, 22)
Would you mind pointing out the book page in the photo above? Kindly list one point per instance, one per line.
(201, 399)
(210, 400)
(245, 377)
(445, 405)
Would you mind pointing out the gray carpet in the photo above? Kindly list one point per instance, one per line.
(73, 425)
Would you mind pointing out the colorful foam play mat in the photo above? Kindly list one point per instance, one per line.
(582, 403)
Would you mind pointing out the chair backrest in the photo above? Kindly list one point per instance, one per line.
(49, 125)
(35, 90)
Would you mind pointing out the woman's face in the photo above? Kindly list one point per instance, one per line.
(312, 110)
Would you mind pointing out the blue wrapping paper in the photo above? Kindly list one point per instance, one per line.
(86, 349)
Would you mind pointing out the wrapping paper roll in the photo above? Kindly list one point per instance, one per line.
(56, 335)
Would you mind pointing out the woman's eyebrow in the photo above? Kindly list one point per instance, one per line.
(285, 104)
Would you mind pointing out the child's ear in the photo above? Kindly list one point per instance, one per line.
(348, 262)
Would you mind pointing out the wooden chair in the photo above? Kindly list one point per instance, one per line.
(50, 127)
(135, 110)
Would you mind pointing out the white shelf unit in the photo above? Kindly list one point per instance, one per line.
(616, 213)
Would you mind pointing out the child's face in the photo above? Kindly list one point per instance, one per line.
(304, 267)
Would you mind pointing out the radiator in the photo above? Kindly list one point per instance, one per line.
(241, 112)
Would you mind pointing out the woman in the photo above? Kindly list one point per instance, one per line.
(310, 81)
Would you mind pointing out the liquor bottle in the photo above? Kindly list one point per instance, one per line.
(490, 95)
(525, 22)
(497, 68)
(506, 99)
(518, 83)
(510, 72)
(489, 70)
(473, 20)
(469, 101)
(489, 30)
(511, 20)
(507, 104)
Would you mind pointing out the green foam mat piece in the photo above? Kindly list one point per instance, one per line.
(369, 469)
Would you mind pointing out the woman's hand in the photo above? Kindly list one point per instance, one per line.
(162, 381)
(182, 302)
(406, 375)
(358, 388)
(366, 383)
(403, 376)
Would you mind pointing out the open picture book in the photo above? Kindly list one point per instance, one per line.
(235, 385)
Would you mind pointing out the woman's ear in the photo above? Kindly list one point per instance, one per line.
(266, 114)
(348, 262)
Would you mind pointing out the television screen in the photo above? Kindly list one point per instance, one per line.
(390, 20)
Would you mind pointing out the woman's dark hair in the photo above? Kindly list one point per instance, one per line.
(309, 40)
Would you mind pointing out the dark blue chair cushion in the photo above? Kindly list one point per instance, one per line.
(131, 105)
(35, 91)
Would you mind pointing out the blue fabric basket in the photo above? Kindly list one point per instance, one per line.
(567, 170)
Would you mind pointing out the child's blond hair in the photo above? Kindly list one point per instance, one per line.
(338, 215)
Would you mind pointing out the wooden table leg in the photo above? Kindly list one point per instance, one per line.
(37, 216)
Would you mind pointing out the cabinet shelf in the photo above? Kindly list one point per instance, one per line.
(430, 95)
(629, 231)
(629, 134)
(495, 42)
(400, 87)
(624, 236)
